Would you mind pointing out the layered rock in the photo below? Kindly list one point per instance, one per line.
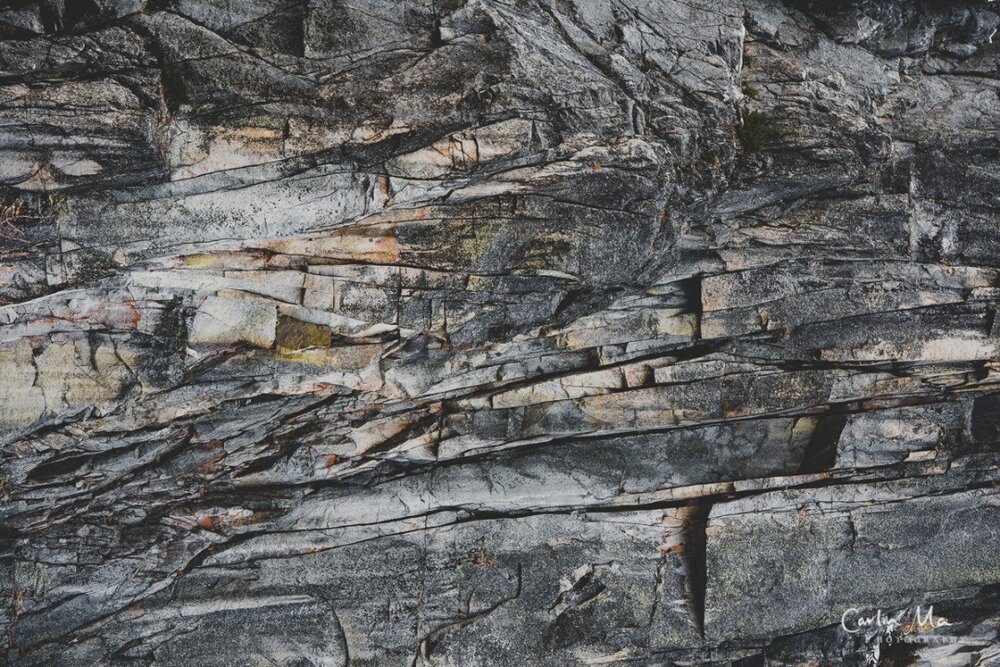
(497, 333)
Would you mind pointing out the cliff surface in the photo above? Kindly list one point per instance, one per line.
(497, 332)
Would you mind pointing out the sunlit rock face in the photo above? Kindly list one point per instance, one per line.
(498, 332)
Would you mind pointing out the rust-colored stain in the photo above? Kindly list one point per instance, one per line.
(482, 559)
(385, 246)
(132, 314)
(369, 243)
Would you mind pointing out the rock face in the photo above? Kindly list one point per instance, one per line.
(498, 332)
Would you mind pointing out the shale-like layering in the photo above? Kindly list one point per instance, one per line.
(497, 332)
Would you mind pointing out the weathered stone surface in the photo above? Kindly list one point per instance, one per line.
(476, 332)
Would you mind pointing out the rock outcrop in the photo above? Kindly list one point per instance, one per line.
(498, 332)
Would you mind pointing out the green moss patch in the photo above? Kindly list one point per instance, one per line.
(757, 130)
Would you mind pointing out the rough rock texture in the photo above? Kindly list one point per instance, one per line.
(497, 332)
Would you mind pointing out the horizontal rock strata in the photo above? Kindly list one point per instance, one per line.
(488, 332)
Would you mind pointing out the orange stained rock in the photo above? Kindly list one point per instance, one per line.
(370, 243)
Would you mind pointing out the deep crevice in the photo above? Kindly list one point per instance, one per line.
(695, 565)
(821, 453)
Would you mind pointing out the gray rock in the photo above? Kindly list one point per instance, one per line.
(497, 333)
